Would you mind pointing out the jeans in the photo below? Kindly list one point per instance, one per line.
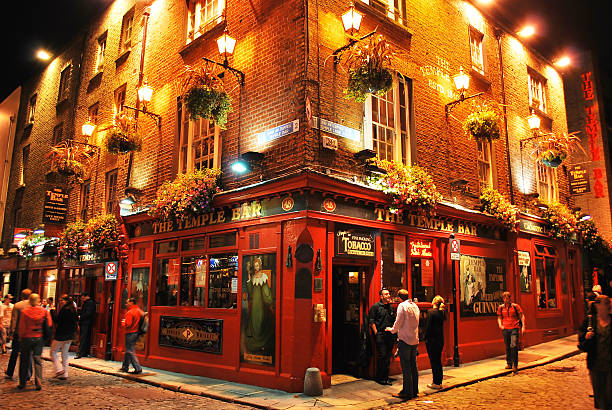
(602, 388)
(130, 352)
(434, 351)
(511, 340)
(64, 346)
(85, 339)
(384, 346)
(408, 355)
(30, 347)
(15, 349)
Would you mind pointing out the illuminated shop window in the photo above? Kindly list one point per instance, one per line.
(546, 277)
(537, 91)
(223, 281)
(393, 255)
(127, 27)
(393, 9)
(200, 143)
(485, 169)
(547, 183)
(202, 15)
(387, 122)
(422, 269)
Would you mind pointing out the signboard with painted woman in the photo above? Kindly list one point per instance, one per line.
(257, 331)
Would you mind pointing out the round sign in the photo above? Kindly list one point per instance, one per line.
(455, 246)
(111, 268)
(329, 205)
(287, 203)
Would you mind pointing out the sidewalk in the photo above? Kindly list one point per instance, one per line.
(346, 391)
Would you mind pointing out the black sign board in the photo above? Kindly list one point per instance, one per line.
(56, 206)
(202, 335)
(578, 180)
(526, 225)
(352, 242)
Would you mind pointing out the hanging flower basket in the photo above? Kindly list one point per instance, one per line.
(69, 159)
(554, 148)
(190, 194)
(552, 158)
(101, 231)
(27, 245)
(119, 142)
(363, 81)
(483, 124)
(204, 95)
(495, 204)
(71, 239)
(562, 223)
(409, 186)
(70, 168)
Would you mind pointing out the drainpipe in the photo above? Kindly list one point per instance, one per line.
(498, 35)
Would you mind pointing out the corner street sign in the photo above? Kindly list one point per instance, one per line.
(455, 249)
(110, 270)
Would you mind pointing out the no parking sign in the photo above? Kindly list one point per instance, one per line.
(110, 270)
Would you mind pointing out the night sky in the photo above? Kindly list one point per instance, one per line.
(563, 25)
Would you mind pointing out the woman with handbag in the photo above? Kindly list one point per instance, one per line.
(66, 325)
(595, 338)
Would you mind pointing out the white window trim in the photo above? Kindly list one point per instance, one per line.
(217, 144)
(391, 10)
(541, 85)
(488, 147)
(195, 26)
(477, 60)
(101, 54)
(551, 175)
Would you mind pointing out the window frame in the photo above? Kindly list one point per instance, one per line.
(64, 83)
(84, 200)
(543, 256)
(388, 9)
(195, 27)
(58, 132)
(101, 53)
(536, 82)
(186, 153)
(110, 191)
(552, 191)
(477, 57)
(127, 31)
(25, 156)
(92, 113)
(32, 108)
(119, 98)
(481, 160)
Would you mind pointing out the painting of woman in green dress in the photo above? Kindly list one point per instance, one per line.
(258, 312)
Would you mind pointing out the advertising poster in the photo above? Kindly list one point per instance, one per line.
(482, 283)
(201, 335)
(257, 330)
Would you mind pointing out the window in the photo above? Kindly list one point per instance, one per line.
(200, 144)
(546, 276)
(537, 91)
(93, 113)
(203, 15)
(64, 85)
(393, 274)
(25, 154)
(120, 98)
(222, 281)
(111, 191)
(394, 9)
(476, 52)
(547, 183)
(386, 117)
(57, 134)
(101, 52)
(485, 169)
(126, 32)
(84, 205)
(140, 287)
(32, 109)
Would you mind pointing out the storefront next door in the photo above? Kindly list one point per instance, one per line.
(350, 305)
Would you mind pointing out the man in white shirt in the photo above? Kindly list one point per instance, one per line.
(6, 311)
(407, 328)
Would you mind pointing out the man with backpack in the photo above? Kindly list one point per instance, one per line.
(511, 320)
(134, 324)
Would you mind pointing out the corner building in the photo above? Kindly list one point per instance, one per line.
(281, 275)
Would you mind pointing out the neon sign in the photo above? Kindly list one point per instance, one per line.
(593, 132)
(421, 249)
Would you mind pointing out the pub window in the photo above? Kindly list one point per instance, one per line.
(485, 169)
(140, 287)
(223, 281)
(546, 277)
(537, 91)
(57, 134)
(422, 270)
(120, 98)
(222, 240)
(200, 143)
(193, 281)
(111, 191)
(393, 252)
(84, 205)
(101, 52)
(31, 109)
(64, 85)
(202, 15)
(393, 9)
(476, 49)
(387, 122)
(547, 182)
(193, 244)
(127, 27)
(167, 247)
(166, 286)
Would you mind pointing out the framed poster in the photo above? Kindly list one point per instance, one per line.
(258, 313)
(202, 335)
(482, 283)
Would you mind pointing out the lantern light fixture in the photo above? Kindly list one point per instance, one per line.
(226, 44)
(88, 128)
(462, 81)
(351, 20)
(526, 31)
(563, 61)
(43, 55)
(534, 122)
(145, 92)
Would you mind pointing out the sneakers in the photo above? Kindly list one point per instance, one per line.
(508, 366)
(136, 372)
(122, 370)
(434, 386)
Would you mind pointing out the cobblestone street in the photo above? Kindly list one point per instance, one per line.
(559, 385)
(86, 389)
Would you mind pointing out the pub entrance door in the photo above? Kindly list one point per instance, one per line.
(350, 306)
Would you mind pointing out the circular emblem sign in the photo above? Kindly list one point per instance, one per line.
(329, 205)
(111, 268)
(287, 204)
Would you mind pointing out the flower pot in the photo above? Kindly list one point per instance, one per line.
(552, 158)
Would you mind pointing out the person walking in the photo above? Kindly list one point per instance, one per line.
(434, 339)
(595, 337)
(407, 328)
(15, 345)
(65, 330)
(6, 310)
(511, 321)
(88, 313)
(51, 308)
(35, 321)
(381, 317)
(131, 324)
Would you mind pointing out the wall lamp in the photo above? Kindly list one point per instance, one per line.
(247, 161)
(462, 84)
(534, 122)
(351, 20)
(226, 45)
(145, 93)
(88, 128)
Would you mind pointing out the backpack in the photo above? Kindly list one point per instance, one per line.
(143, 324)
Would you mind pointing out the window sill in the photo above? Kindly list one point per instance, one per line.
(394, 25)
(122, 58)
(190, 48)
(95, 81)
(545, 118)
(480, 77)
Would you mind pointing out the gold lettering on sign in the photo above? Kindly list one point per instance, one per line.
(425, 222)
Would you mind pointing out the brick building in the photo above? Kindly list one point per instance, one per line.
(290, 219)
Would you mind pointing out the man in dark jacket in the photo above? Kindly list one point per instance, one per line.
(16, 347)
(88, 313)
(382, 316)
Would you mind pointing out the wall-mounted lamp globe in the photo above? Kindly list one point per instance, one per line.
(462, 81)
(240, 166)
(534, 122)
(226, 44)
(351, 20)
(43, 55)
(145, 92)
(88, 128)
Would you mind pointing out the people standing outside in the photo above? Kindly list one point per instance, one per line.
(131, 323)
(34, 319)
(6, 310)
(511, 321)
(407, 328)
(595, 337)
(88, 312)
(65, 330)
(434, 339)
(51, 308)
(15, 347)
(381, 317)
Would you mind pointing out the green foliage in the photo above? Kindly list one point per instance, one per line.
(122, 136)
(101, 231)
(27, 245)
(70, 168)
(483, 124)
(552, 157)
(494, 203)
(364, 80)
(562, 223)
(70, 240)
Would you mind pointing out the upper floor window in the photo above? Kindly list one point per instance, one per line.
(394, 9)
(101, 53)
(58, 132)
(31, 109)
(485, 169)
(64, 85)
(93, 113)
(202, 15)
(126, 31)
(25, 155)
(200, 143)
(547, 183)
(84, 205)
(387, 122)
(476, 49)
(111, 191)
(120, 98)
(537, 91)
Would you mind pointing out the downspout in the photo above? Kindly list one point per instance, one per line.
(498, 34)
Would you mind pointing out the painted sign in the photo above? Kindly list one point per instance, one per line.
(329, 142)
(337, 129)
(427, 272)
(438, 77)
(278, 132)
(526, 225)
(111, 270)
(202, 335)
(55, 207)
(578, 180)
(482, 282)
(350, 242)
(421, 249)
(524, 259)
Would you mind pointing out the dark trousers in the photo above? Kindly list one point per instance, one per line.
(85, 339)
(31, 347)
(15, 349)
(408, 355)
(434, 351)
(384, 348)
(511, 341)
(130, 352)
